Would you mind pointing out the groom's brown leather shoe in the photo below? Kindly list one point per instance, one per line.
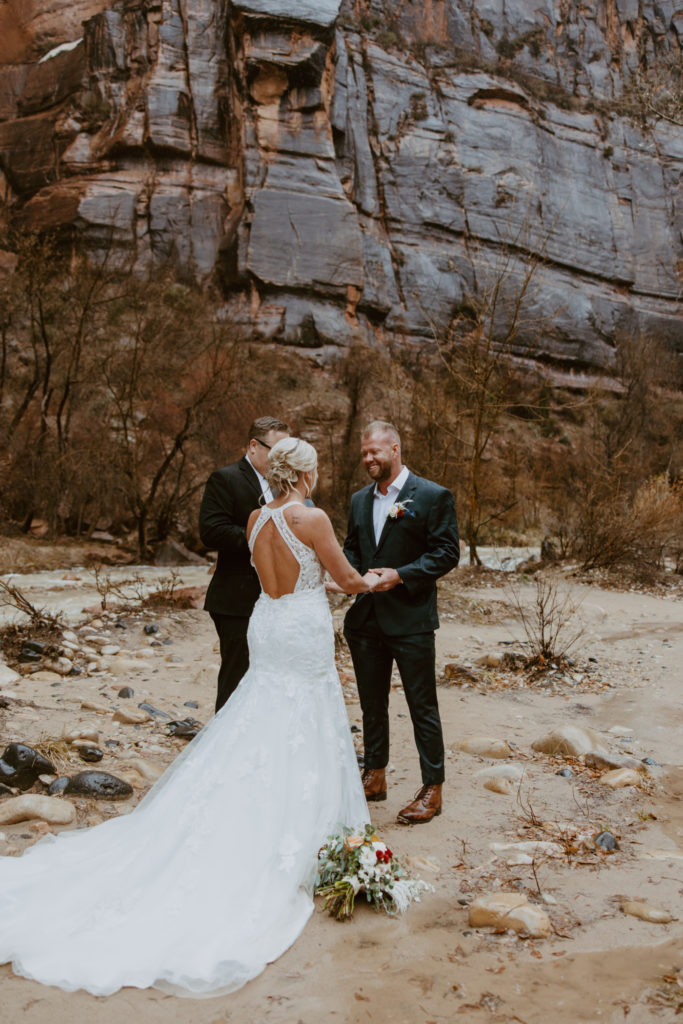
(374, 784)
(425, 806)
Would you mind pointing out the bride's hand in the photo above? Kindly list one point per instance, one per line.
(372, 578)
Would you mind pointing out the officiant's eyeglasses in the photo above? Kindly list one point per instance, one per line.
(262, 443)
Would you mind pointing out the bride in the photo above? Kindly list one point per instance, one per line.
(211, 876)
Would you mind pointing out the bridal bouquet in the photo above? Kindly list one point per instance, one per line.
(356, 862)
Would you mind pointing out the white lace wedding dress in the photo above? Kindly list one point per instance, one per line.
(210, 877)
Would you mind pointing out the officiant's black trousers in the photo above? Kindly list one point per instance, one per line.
(373, 654)
(232, 638)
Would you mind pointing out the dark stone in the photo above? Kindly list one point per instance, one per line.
(126, 691)
(355, 728)
(651, 761)
(5, 790)
(593, 660)
(607, 842)
(190, 704)
(27, 657)
(34, 645)
(153, 711)
(58, 786)
(20, 766)
(5, 703)
(100, 785)
(464, 903)
(120, 625)
(151, 628)
(167, 641)
(566, 773)
(112, 743)
(76, 671)
(185, 729)
(90, 754)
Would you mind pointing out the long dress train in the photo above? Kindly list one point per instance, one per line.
(210, 877)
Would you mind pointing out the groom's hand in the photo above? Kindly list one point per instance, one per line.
(389, 579)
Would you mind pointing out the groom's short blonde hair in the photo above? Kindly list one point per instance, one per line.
(382, 427)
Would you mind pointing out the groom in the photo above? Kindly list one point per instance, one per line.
(405, 527)
(231, 495)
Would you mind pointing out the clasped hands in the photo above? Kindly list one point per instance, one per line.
(377, 580)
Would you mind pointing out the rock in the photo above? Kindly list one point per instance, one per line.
(503, 910)
(612, 761)
(151, 628)
(82, 733)
(566, 773)
(646, 912)
(490, 660)
(185, 729)
(92, 705)
(154, 712)
(606, 841)
(514, 772)
(484, 746)
(650, 762)
(5, 790)
(458, 674)
(58, 785)
(570, 741)
(8, 675)
(194, 704)
(132, 716)
(30, 806)
(172, 552)
(109, 650)
(21, 765)
(150, 772)
(100, 785)
(90, 754)
(504, 786)
(525, 852)
(620, 777)
(126, 692)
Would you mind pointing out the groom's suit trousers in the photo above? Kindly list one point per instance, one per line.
(373, 653)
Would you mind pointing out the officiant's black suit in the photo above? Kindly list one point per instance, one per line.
(231, 495)
(399, 624)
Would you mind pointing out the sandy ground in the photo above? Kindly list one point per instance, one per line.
(599, 965)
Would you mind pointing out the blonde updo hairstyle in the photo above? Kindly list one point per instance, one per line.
(287, 460)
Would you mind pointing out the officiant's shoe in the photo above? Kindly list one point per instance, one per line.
(425, 806)
(374, 784)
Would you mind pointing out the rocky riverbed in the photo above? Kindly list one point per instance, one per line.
(557, 863)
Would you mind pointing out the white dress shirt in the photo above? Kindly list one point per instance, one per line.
(267, 493)
(383, 502)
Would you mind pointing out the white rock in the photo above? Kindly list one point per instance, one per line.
(69, 636)
(501, 771)
(525, 852)
(620, 730)
(505, 910)
(45, 676)
(646, 912)
(484, 746)
(81, 732)
(91, 705)
(8, 675)
(54, 810)
(61, 665)
(150, 772)
(109, 650)
(620, 777)
(504, 786)
(570, 741)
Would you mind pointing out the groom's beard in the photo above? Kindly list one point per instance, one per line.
(379, 471)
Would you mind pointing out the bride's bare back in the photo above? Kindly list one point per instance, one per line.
(277, 567)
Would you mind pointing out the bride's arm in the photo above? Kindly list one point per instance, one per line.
(326, 546)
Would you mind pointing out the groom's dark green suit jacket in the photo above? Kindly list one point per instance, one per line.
(421, 545)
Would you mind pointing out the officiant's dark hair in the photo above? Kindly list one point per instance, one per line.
(263, 425)
(381, 427)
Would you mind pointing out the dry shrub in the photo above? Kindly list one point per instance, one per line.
(639, 534)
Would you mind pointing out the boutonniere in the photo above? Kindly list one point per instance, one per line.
(398, 509)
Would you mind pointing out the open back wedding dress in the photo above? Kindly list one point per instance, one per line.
(211, 876)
